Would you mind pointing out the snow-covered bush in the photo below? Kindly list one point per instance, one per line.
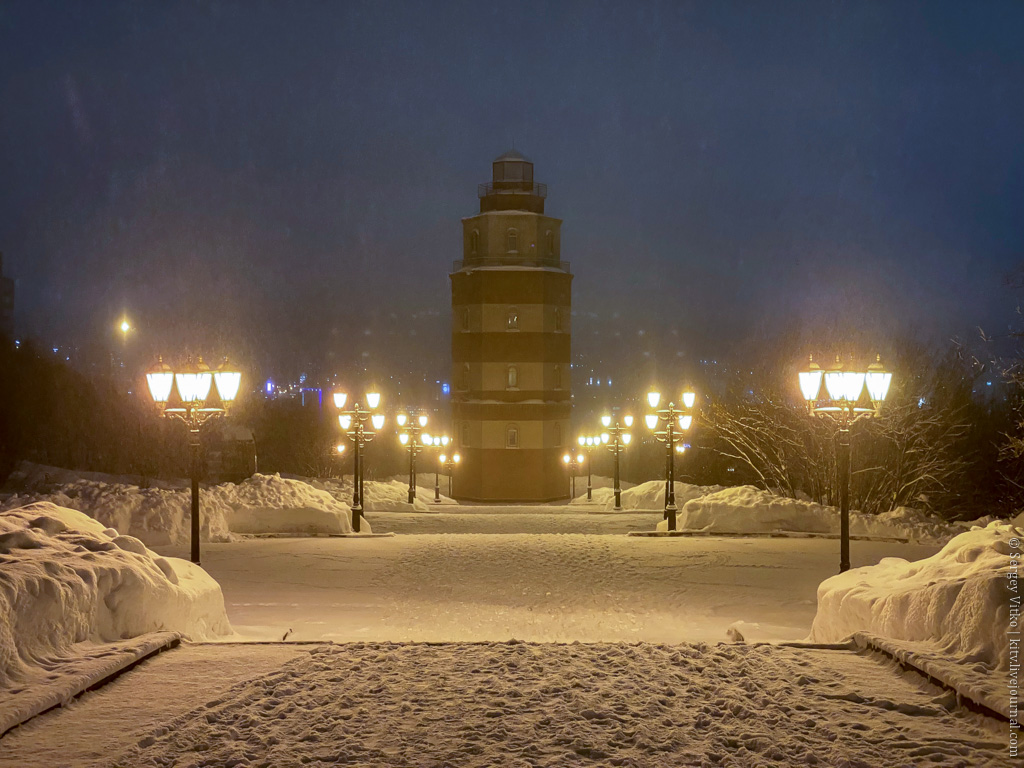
(651, 495)
(66, 578)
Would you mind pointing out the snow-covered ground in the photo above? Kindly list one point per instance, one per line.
(498, 704)
(66, 579)
(529, 586)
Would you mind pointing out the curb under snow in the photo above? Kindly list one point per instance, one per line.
(20, 705)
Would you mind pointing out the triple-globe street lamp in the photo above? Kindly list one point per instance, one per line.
(674, 422)
(193, 407)
(589, 443)
(573, 461)
(439, 442)
(850, 394)
(412, 437)
(448, 461)
(616, 438)
(353, 423)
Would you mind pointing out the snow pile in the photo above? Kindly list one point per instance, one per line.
(66, 578)
(651, 495)
(390, 495)
(957, 602)
(154, 515)
(750, 510)
(260, 504)
(272, 504)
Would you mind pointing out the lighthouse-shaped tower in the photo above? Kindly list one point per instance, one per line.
(511, 344)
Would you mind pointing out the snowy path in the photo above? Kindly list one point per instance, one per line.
(502, 583)
(512, 705)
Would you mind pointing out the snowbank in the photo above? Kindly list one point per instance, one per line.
(957, 602)
(390, 495)
(746, 509)
(272, 504)
(260, 504)
(66, 578)
(651, 495)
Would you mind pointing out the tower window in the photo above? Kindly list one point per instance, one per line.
(512, 436)
(558, 319)
(512, 377)
(512, 320)
(464, 377)
(513, 240)
(551, 242)
(558, 435)
(464, 437)
(465, 318)
(558, 378)
(474, 242)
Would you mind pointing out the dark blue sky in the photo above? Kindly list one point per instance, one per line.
(272, 170)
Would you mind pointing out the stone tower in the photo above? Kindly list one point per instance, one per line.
(511, 299)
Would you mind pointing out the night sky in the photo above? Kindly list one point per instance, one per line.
(267, 175)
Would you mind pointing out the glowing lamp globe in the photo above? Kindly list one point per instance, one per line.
(651, 420)
(689, 398)
(339, 399)
(628, 421)
(403, 438)
(228, 381)
(626, 438)
(877, 380)
(606, 421)
(653, 398)
(194, 382)
(377, 420)
(160, 379)
(345, 421)
(582, 440)
(401, 419)
(456, 458)
(685, 422)
(422, 420)
(373, 399)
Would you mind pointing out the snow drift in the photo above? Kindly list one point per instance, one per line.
(750, 510)
(956, 603)
(158, 516)
(66, 578)
(651, 495)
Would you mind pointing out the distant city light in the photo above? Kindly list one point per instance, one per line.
(446, 388)
(270, 387)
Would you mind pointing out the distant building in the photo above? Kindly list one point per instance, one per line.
(511, 310)
(6, 303)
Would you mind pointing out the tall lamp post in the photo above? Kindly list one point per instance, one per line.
(674, 422)
(193, 382)
(617, 440)
(438, 442)
(844, 401)
(412, 426)
(448, 462)
(573, 461)
(353, 422)
(589, 443)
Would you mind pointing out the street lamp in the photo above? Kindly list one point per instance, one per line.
(589, 443)
(353, 422)
(573, 461)
(193, 382)
(617, 440)
(676, 422)
(448, 462)
(438, 442)
(410, 437)
(847, 397)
